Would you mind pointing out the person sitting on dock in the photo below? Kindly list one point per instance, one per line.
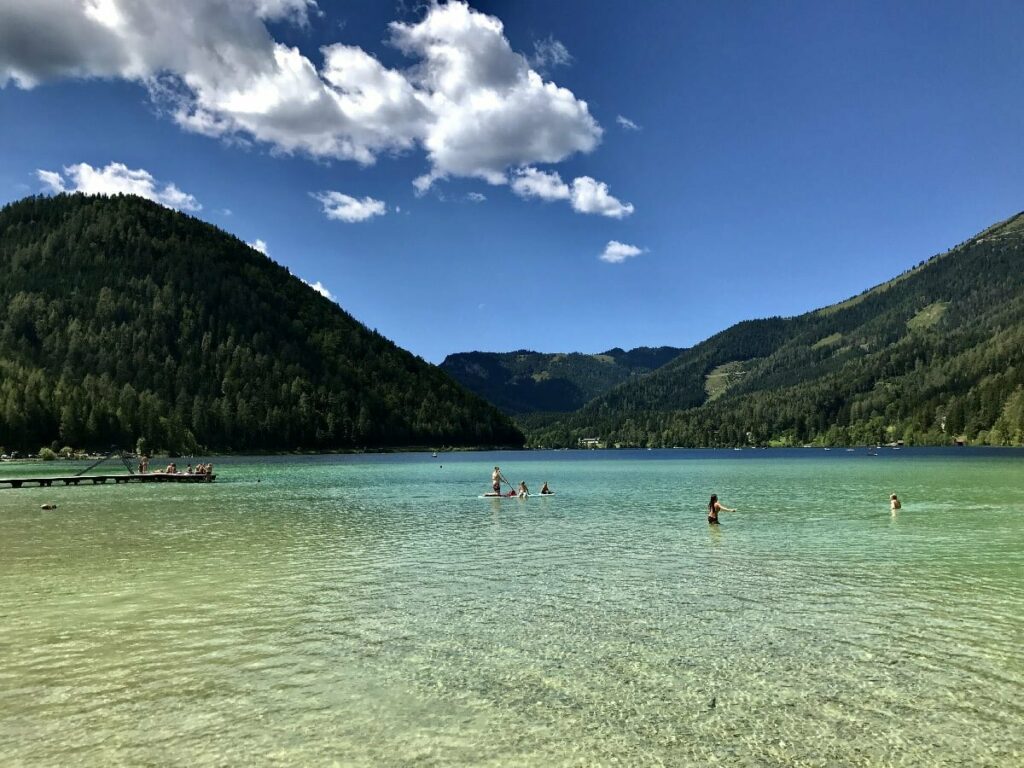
(188, 470)
(172, 469)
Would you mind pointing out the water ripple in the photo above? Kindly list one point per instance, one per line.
(373, 610)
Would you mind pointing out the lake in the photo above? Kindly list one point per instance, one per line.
(373, 610)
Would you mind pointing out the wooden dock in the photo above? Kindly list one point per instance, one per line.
(149, 477)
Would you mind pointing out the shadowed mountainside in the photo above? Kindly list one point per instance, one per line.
(121, 319)
(524, 382)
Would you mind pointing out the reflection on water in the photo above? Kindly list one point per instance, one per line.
(374, 610)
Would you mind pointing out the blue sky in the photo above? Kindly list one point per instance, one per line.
(782, 156)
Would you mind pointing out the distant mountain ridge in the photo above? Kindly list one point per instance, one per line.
(525, 381)
(121, 319)
(933, 356)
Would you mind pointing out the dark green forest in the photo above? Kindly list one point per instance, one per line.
(121, 319)
(526, 382)
(932, 357)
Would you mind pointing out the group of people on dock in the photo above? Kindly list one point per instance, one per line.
(522, 491)
(172, 468)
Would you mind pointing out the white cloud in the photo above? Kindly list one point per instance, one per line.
(423, 183)
(585, 194)
(117, 178)
(476, 197)
(469, 101)
(260, 246)
(136, 39)
(319, 288)
(616, 252)
(628, 124)
(342, 207)
(550, 53)
(53, 180)
(530, 182)
(590, 196)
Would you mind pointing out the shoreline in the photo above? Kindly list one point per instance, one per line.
(860, 450)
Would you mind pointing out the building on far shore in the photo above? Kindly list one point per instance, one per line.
(590, 442)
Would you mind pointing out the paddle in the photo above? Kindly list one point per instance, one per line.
(510, 486)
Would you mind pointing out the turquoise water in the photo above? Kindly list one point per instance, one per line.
(372, 610)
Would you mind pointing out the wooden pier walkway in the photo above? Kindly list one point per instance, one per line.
(149, 477)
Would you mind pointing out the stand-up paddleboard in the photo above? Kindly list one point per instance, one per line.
(506, 496)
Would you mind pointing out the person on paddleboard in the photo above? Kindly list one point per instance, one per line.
(523, 490)
(545, 491)
(714, 508)
(496, 478)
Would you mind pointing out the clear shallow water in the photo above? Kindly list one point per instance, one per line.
(367, 610)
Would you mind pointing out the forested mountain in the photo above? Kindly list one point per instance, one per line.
(121, 319)
(936, 354)
(526, 382)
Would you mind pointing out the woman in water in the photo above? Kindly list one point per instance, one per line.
(714, 508)
(894, 503)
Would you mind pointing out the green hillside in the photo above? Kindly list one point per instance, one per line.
(526, 382)
(121, 319)
(934, 355)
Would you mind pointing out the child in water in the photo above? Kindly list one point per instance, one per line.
(894, 503)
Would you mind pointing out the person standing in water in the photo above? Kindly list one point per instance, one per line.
(894, 504)
(714, 508)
